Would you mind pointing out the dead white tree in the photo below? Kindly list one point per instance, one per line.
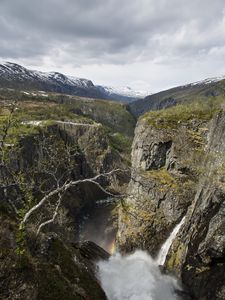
(59, 191)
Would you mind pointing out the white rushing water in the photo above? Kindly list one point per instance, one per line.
(135, 277)
(161, 258)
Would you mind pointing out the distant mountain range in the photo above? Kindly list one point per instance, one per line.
(17, 77)
(212, 87)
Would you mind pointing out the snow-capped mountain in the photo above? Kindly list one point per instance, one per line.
(207, 81)
(16, 76)
(15, 71)
(125, 92)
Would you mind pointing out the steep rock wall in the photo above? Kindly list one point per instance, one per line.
(179, 170)
(197, 254)
(163, 182)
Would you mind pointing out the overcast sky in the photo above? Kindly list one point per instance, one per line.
(145, 44)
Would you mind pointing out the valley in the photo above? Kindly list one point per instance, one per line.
(144, 179)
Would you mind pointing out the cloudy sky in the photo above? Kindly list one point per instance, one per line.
(146, 44)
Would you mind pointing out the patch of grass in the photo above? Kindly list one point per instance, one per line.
(197, 138)
(49, 112)
(16, 131)
(114, 115)
(182, 113)
(162, 176)
(36, 111)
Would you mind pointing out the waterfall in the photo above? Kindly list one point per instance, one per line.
(138, 276)
(161, 258)
(135, 277)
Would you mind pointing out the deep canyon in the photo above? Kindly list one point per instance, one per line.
(161, 216)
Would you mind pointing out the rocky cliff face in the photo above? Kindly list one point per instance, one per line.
(197, 254)
(94, 155)
(163, 181)
(177, 170)
(93, 144)
(54, 266)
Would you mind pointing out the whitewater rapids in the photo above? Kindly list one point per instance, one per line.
(135, 277)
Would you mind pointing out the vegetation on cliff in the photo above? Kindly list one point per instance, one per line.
(51, 160)
(183, 113)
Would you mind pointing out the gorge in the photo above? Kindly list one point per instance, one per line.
(166, 203)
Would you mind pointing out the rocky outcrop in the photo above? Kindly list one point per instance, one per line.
(178, 169)
(163, 182)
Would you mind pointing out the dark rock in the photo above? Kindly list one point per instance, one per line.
(184, 295)
(92, 251)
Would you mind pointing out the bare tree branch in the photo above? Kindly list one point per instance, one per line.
(65, 187)
(54, 215)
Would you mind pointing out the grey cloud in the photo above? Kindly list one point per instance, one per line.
(112, 31)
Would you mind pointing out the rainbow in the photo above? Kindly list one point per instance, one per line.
(112, 247)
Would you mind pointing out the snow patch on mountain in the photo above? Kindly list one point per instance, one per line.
(206, 81)
(12, 70)
(125, 91)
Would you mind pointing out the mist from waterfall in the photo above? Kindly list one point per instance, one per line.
(135, 277)
(138, 276)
